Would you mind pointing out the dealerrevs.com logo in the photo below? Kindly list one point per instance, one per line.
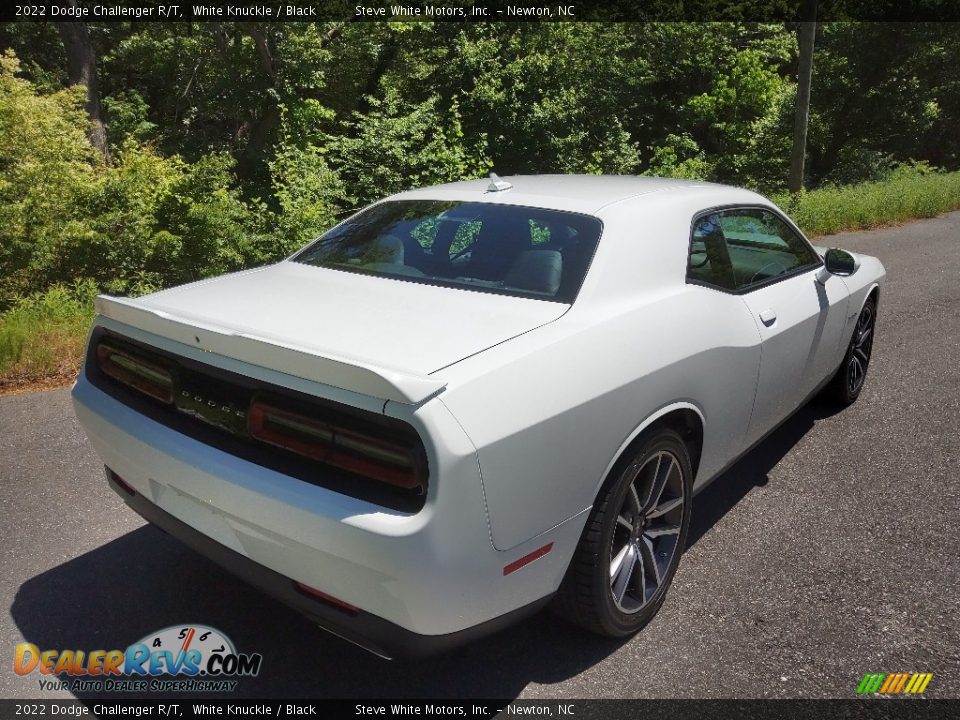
(186, 658)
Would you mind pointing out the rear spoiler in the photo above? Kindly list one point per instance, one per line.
(345, 373)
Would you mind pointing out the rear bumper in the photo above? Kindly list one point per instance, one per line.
(370, 632)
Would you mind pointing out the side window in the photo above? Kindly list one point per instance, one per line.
(709, 261)
(737, 248)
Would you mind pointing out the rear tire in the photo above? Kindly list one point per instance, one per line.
(633, 539)
(846, 385)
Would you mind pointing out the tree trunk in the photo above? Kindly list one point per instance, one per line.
(82, 70)
(808, 31)
(264, 126)
(372, 85)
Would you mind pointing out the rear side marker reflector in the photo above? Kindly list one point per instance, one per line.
(119, 482)
(324, 598)
(527, 559)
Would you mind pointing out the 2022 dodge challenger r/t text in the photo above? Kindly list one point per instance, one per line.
(468, 400)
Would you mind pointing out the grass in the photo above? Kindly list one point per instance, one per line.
(42, 336)
(912, 191)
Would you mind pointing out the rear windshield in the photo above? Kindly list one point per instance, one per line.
(528, 252)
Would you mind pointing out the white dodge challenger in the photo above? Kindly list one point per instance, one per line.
(468, 400)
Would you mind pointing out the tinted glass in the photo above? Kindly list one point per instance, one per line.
(738, 248)
(529, 252)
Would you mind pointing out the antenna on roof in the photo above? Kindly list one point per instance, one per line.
(497, 184)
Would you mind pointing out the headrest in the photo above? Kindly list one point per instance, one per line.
(536, 271)
(389, 249)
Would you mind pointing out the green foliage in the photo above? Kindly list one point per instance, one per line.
(857, 164)
(42, 336)
(700, 100)
(398, 145)
(679, 157)
(308, 193)
(46, 163)
(145, 222)
(551, 97)
(127, 117)
(911, 191)
(884, 92)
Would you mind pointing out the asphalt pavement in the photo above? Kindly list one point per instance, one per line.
(828, 552)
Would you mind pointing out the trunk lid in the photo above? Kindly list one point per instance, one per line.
(374, 335)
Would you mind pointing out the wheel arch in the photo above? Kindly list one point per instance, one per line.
(873, 293)
(685, 418)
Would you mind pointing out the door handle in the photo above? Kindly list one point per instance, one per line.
(768, 317)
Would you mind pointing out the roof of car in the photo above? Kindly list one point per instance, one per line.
(582, 193)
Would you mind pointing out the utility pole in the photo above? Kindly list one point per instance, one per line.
(807, 32)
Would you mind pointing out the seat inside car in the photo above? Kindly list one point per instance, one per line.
(389, 249)
(536, 271)
(500, 241)
(718, 269)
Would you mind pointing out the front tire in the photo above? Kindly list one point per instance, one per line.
(633, 540)
(845, 387)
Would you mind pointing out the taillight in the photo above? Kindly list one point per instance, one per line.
(349, 450)
(289, 430)
(147, 377)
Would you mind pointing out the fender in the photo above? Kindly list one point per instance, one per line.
(647, 422)
(873, 286)
(867, 290)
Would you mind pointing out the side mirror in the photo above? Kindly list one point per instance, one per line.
(840, 262)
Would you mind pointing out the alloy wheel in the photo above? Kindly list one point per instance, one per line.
(646, 537)
(861, 346)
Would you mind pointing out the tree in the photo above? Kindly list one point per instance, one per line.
(82, 70)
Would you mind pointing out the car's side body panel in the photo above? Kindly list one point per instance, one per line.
(801, 323)
(549, 410)
(639, 339)
(864, 281)
(546, 432)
